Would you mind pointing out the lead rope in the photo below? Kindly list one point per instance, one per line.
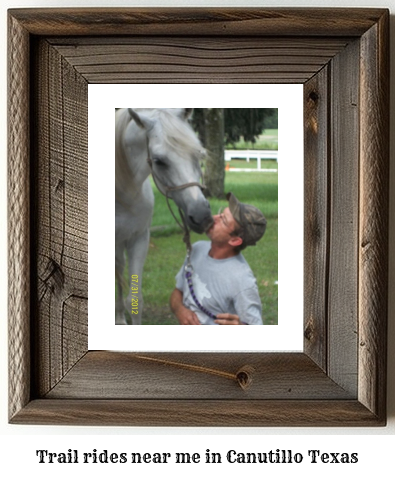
(189, 269)
(184, 227)
(188, 275)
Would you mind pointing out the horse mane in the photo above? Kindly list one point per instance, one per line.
(179, 134)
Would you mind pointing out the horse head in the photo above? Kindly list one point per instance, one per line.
(174, 154)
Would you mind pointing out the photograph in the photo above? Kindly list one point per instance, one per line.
(196, 216)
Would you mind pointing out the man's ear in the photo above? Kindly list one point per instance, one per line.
(235, 241)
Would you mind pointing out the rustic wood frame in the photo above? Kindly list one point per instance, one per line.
(342, 57)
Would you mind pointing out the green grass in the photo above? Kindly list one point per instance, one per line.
(167, 250)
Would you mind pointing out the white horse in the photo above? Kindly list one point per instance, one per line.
(161, 142)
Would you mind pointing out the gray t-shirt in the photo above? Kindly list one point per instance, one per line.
(221, 286)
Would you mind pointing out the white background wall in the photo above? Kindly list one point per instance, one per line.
(19, 443)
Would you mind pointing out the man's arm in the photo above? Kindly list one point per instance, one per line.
(184, 315)
(248, 306)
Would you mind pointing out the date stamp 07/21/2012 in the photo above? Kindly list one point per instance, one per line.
(134, 288)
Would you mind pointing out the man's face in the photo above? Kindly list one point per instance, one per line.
(224, 225)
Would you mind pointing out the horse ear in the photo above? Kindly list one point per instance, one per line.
(187, 113)
(141, 121)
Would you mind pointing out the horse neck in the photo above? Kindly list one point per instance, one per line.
(131, 170)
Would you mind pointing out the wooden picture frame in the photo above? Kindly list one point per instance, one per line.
(342, 58)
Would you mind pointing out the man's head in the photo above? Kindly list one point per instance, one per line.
(251, 221)
(239, 225)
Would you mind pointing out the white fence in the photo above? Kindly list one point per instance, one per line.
(251, 154)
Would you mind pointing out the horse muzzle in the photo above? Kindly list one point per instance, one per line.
(201, 226)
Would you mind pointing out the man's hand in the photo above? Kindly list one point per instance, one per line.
(184, 315)
(228, 319)
(187, 317)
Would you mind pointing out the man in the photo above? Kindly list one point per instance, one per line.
(221, 288)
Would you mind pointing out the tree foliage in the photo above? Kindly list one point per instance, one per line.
(239, 122)
(217, 127)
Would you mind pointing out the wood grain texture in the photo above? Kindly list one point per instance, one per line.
(61, 226)
(188, 59)
(373, 233)
(259, 22)
(335, 381)
(185, 376)
(18, 212)
(316, 214)
(202, 413)
(343, 255)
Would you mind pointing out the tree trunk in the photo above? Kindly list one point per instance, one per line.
(214, 175)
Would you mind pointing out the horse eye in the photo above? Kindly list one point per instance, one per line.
(159, 162)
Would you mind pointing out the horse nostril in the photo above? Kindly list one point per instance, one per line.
(192, 220)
